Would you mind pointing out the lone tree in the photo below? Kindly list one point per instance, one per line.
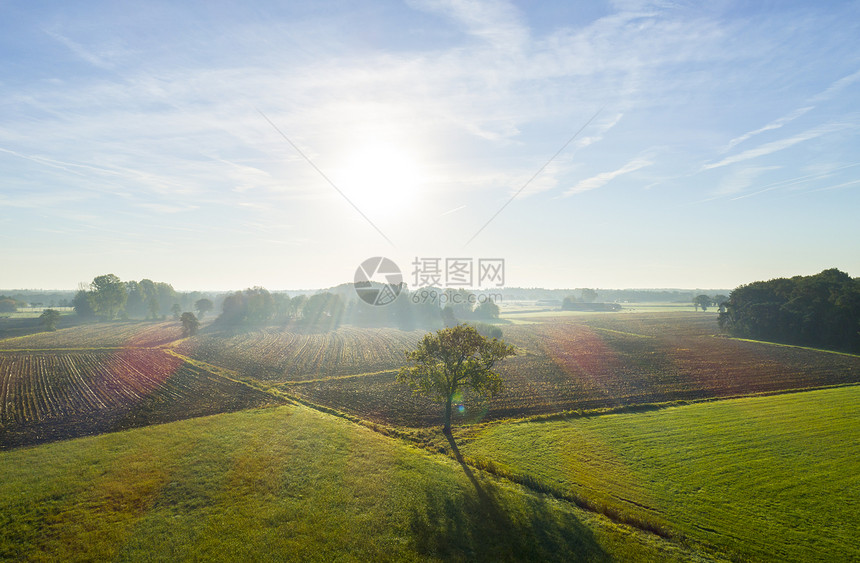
(451, 360)
(203, 306)
(702, 301)
(190, 324)
(49, 318)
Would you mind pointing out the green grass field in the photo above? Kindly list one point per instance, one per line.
(765, 478)
(285, 483)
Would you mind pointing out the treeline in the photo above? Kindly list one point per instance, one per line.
(587, 301)
(257, 307)
(107, 297)
(8, 304)
(426, 308)
(704, 301)
(606, 295)
(821, 311)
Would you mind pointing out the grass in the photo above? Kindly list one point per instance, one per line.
(285, 483)
(765, 478)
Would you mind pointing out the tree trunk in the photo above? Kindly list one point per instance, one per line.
(447, 429)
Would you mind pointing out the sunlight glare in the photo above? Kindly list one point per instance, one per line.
(382, 180)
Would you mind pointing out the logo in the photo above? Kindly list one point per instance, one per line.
(378, 281)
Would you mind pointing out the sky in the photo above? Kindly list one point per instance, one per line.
(627, 144)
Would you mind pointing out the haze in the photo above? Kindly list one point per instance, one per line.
(718, 145)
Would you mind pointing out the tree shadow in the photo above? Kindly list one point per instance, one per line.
(488, 522)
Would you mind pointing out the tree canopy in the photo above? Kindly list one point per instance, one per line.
(452, 360)
(107, 295)
(190, 324)
(7, 304)
(49, 318)
(703, 301)
(822, 310)
(203, 306)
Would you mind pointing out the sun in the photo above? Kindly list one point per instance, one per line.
(382, 180)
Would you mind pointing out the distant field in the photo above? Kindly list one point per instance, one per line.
(583, 361)
(274, 354)
(524, 314)
(99, 335)
(600, 361)
(34, 312)
(48, 396)
(765, 478)
(284, 484)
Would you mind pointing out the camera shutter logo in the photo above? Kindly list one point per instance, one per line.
(378, 281)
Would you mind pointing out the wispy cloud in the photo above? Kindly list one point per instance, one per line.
(480, 93)
(775, 146)
(604, 178)
(496, 22)
(797, 180)
(80, 51)
(775, 124)
(741, 179)
(835, 186)
(166, 207)
(828, 94)
(450, 211)
(837, 87)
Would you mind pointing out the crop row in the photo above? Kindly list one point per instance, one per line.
(57, 395)
(139, 334)
(571, 365)
(279, 355)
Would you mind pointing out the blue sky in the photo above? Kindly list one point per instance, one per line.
(720, 143)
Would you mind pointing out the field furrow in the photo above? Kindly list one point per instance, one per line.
(49, 396)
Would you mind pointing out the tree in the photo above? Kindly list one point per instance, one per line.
(702, 301)
(822, 310)
(487, 310)
(177, 311)
(190, 324)
(254, 306)
(108, 295)
(7, 304)
(135, 305)
(297, 304)
(452, 360)
(282, 306)
(165, 294)
(150, 298)
(488, 330)
(203, 306)
(83, 304)
(49, 318)
(323, 311)
(589, 295)
(260, 306)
